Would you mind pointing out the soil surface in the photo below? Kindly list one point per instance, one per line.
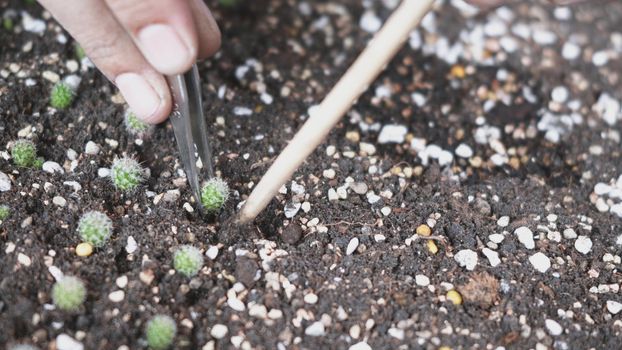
(499, 131)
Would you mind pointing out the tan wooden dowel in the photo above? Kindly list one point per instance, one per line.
(379, 51)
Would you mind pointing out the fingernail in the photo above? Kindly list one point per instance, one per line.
(139, 94)
(164, 49)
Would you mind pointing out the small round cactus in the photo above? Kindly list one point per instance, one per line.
(126, 174)
(5, 211)
(187, 260)
(69, 293)
(160, 332)
(214, 194)
(24, 153)
(61, 95)
(95, 228)
(134, 125)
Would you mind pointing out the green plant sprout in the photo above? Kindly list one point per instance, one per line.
(95, 228)
(69, 293)
(24, 153)
(214, 194)
(187, 260)
(134, 125)
(61, 95)
(126, 174)
(79, 52)
(5, 211)
(160, 332)
(7, 23)
(228, 3)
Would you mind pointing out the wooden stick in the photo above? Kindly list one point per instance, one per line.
(354, 82)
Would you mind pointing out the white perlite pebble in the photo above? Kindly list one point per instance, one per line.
(236, 304)
(91, 148)
(540, 262)
(466, 258)
(583, 244)
(559, 94)
(52, 167)
(65, 342)
(570, 51)
(503, 221)
(496, 238)
(614, 307)
(370, 22)
(600, 58)
(131, 245)
(219, 331)
(116, 296)
(422, 280)
(553, 327)
(103, 172)
(24, 259)
(5, 182)
(360, 346)
(310, 298)
(60, 201)
(464, 151)
(291, 209)
(570, 233)
(352, 245)
(316, 329)
(392, 133)
(493, 257)
(242, 111)
(212, 252)
(31, 24)
(525, 236)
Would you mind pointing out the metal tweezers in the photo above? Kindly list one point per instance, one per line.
(190, 128)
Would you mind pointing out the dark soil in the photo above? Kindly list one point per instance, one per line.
(370, 295)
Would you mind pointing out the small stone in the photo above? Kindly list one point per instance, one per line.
(91, 148)
(117, 296)
(525, 236)
(103, 172)
(65, 342)
(422, 280)
(60, 201)
(24, 259)
(332, 195)
(496, 238)
(367, 148)
(52, 167)
(219, 331)
(171, 196)
(84, 249)
(583, 244)
(360, 346)
(146, 276)
(292, 233)
(329, 173)
(614, 307)
(570, 233)
(370, 22)
(342, 192)
(131, 245)
(553, 327)
(540, 262)
(454, 297)
(392, 133)
(464, 151)
(423, 230)
(560, 94)
(122, 281)
(492, 256)
(466, 258)
(352, 245)
(236, 304)
(396, 333)
(5, 182)
(291, 209)
(503, 221)
(432, 248)
(359, 187)
(310, 298)
(316, 329)
(385, 211)
(212, 252)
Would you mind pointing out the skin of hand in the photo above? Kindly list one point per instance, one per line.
(134, 43)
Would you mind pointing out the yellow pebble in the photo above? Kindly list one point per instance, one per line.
(454, 297)
(458, 71)
(444, 348)
(423, 230)
(432, 247)
(84, 249)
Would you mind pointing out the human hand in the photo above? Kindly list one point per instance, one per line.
(135, 43)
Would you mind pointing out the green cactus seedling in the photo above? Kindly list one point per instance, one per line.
(126, 174)
(187, 260)
(79, 52)
(214, 194)
(69, 293)
(61, 95)
(5, 211)
(160, 332)
(134, 125)
(24, 153)
(95, 228)
(7, 23)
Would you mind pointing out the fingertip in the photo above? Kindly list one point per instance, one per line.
(165, 48)
(147, 96)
